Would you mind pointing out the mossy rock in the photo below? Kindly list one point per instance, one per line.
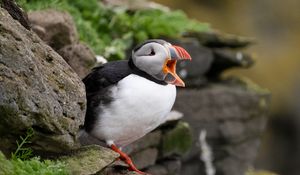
(177, 141)
(38, 90)
(89, 159)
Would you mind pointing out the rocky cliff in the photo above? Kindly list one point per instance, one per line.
(217, 130)
(38, 89)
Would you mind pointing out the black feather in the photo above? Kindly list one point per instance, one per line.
(106, 75)
(98, 84)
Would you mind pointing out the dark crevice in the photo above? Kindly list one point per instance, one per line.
(16, 12)
(42, 130)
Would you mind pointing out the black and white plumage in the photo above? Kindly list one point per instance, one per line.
(128, 99)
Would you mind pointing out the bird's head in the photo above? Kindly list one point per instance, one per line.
(158, 58)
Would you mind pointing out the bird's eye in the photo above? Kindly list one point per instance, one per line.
(152, 52)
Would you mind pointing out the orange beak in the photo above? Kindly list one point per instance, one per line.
(176, 53)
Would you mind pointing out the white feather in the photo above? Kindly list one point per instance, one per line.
(139, 106)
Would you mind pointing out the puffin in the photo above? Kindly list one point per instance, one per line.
(129, 98)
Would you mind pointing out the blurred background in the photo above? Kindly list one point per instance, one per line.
(275, 25)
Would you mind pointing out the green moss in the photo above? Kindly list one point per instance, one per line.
(253, 86)
(33, 166)
(177, 140)
(111, 31)
(263, 104)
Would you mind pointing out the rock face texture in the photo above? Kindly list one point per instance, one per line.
(89, 159)
(38, 89)
(231, 111)
(56, 28)
(233, 115)
(80, 57)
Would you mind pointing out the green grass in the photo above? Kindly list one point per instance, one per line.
(33, 166)
(22, 161)
(110, 31)
(23, 152)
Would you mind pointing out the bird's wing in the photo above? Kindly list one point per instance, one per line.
(98, 84)
(106, 75)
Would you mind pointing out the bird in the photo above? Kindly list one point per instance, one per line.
(129, 98)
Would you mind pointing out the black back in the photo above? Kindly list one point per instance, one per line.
(106, 75)
(99, 82)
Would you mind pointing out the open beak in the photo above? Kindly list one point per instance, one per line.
(176, 53)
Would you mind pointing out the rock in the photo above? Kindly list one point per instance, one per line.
(192, 166)
(245, 151)
(233, 113)
(166, 167)
(215, 39)
(145, 158)
(237, 131)
(57, 31)
(260, 172)
(80, 57)
(152, 139)
(173, 166)
(177, 141)
(221, 101)
(225, 59)
(117, 170)
(89, 160)
(236, 159)
(86, 139)
(157, 170)
(38, 89)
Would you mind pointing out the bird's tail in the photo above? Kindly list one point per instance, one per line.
(86, 139)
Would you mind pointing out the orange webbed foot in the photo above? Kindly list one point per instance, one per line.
(126, 159)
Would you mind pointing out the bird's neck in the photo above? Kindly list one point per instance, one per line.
(141, 73)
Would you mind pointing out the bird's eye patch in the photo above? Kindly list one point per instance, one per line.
(152, 52)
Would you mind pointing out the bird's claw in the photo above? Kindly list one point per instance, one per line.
(127, 160)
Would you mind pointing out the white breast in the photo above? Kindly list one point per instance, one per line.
(139, 106)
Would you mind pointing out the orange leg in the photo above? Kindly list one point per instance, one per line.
(126, 159)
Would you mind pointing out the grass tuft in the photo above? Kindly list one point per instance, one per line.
(21, 151)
